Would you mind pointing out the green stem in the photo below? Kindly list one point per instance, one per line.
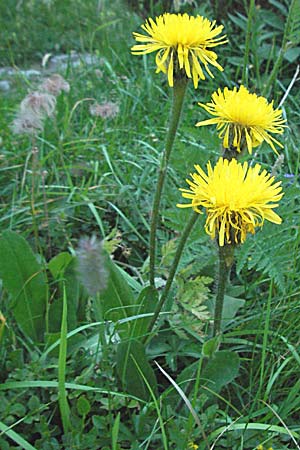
(186, 232)
(225, 263)
(282, 50)
(102, 337)
(247, 43)
(178, 97)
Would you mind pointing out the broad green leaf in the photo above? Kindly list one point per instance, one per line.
(211, 346)
(292, 54)
(75, 342)
(83, 406)
(145, 303)
(217, 371)
(117, 300)
(58, 264)
(230, 308)
(26, 282)
(220, 370)
(63, 270)
(132, 366)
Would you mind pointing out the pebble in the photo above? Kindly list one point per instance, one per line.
(4, 86)
(53, 63)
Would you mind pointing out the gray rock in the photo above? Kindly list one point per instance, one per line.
(31, 73)
(4, 86)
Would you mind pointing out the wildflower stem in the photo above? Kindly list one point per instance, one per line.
(225, 263)
(178, 97)
(186, 232)
(279, 59)
(102, 338)
(245, 74)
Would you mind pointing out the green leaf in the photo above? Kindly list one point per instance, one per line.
(59, 263)
(230, 308)
(115, 433)
(16, 437)
(145, 304)
(75, 342)
(63, 270)
(292, 54)
(133, 367)
(217, 372)
(26, 282)
(117, 301)
(211, 346)
(83, 406)
(221, 369)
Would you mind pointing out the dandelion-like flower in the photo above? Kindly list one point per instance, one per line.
(183, 44)
(55, 84)
(34, 109)
(237, 199)
(105, 110)
(38, 103)
(91, 265)
(243, 119)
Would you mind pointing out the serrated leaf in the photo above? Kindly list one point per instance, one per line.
(26, 282)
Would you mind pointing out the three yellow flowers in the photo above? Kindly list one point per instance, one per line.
(237, 198)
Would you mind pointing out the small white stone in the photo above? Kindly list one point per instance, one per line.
(4, 85)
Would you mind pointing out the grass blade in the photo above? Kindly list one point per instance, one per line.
(15, 437)
(62, 393)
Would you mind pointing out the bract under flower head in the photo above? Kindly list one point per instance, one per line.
(182, 43)
(237, 199)
(243, 118)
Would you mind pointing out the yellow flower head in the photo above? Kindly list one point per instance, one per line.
(243, 118)
(261, 447)
(237, 198)
(193, 446)
(182, 43)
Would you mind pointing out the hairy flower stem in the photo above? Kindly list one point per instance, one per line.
(178, 97)
(186, 232)
(225, 263)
